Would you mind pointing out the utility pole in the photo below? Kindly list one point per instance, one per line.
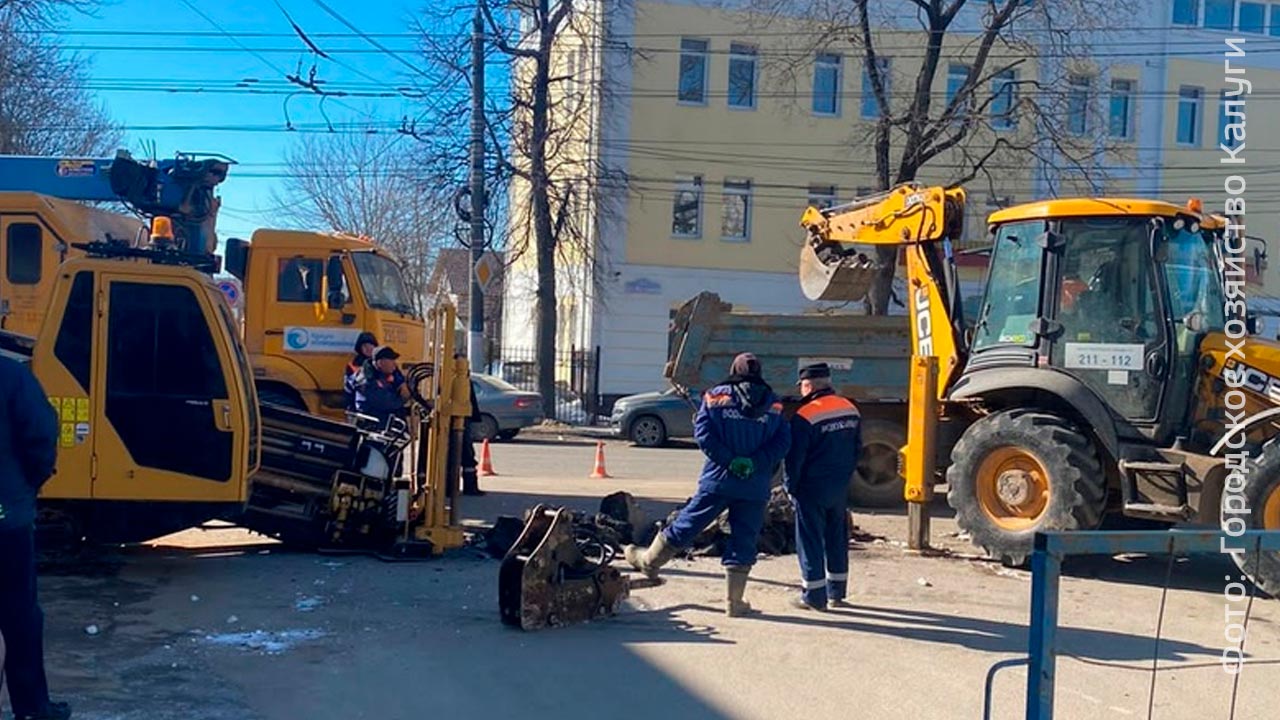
(475, 339)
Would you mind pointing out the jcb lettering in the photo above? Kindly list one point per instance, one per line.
(924, 323)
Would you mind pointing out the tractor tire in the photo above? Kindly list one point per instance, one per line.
(1262, 498)
(1018, 472)
(876, 482)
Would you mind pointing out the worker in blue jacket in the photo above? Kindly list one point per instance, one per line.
(381, 389)
(744, 437)
(826, 439)
(28, 451)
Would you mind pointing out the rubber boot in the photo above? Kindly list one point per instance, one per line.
(735, 588)
(650, 559)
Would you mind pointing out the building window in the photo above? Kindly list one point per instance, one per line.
(1274, 27)
(1189, 115)
(1219, 14)
(1078, 104)
(870, 105)
(1224, 120)
(1253, 17)
(826, 84)
(862, 191)
(956, 75)
(23, 254)
(742, 76)
(686, 212)
(735, 223)
(1120, 125)
(1003, 89)
(822, 196)
(693, 71)
(1186, 12)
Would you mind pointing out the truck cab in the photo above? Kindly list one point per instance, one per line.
(308, 296)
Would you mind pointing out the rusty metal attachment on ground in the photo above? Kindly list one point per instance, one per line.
(558, 573)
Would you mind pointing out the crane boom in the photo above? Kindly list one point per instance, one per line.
(180, 188)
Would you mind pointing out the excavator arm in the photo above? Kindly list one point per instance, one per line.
(925, 220)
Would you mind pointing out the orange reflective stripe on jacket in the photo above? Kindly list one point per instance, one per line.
(827, 407)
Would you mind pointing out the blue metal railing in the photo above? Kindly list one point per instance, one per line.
(1046, 570)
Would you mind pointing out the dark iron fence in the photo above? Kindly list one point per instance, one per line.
(577, 380)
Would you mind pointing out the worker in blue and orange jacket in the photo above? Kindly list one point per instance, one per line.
(365, 345)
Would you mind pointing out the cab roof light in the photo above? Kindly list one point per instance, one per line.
(1195, 205)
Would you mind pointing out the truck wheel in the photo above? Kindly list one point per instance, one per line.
(876, 482)
(1262, 497)
(272, 395)
(1018, 472)
(648, 431)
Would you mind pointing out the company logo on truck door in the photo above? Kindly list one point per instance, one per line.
(924, 323)
(319, 340)
(1239, 374)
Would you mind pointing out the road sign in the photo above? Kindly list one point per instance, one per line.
(486, 271)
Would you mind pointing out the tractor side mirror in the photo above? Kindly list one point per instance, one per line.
(334, 276)
(237, 258)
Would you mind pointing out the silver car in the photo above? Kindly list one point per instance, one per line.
(650, 419)
(504, 409)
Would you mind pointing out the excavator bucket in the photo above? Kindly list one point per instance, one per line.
(547, 580)
(830, 275)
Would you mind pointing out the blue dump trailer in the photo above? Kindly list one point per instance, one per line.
(869, 359)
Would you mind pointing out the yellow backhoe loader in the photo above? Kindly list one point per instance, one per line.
(1107, 369)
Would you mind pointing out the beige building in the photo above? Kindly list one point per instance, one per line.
(726, 131)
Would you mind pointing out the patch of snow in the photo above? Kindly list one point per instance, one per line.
(307, 604)
(265, 641)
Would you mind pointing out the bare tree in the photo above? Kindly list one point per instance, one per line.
(44, 108)
(364, 184)
(547, 171)
(1002, 115)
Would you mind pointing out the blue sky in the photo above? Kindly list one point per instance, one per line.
(135, 66)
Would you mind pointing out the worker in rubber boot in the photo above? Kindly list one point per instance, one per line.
(28, 451)
(826, 439)
(470, 473)
(365, 345)
(744, 437)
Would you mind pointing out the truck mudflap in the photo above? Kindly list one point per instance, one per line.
(557, 574)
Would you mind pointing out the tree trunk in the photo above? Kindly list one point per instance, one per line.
(886, 255)
(543, 226)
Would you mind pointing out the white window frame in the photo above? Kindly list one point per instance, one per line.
(1265, 16)
(741, 188)
(1195, 22)
(705, 54)
(1273, 19)
(1129, 109)
(753, 57)
(688, 183)
(838, 68)
(1009, 121)
(868, 93)
(1198, 117)
(1235, 16)
(961, 71)
(1076, 84)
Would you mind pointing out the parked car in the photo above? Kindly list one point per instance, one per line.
(650, 419)
(504, 408)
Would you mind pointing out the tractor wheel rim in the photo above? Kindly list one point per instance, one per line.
(1013, 488)
(1271, 509)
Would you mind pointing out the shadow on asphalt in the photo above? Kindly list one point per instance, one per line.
(993, 636)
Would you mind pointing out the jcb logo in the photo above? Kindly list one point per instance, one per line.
(924, 323)
(1238, 374)
(915, 199)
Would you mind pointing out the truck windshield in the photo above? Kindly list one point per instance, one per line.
(1193, 278)
(382, 282)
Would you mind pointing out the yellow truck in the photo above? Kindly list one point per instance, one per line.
(306, 296)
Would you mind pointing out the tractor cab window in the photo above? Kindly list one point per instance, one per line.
(1109, 311)
(1195, 293)
(1012, 300)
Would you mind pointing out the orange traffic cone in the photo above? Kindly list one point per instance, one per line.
(599, 471)
(486, 460)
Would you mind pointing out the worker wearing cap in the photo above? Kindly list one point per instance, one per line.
(365, 345)
(826, 440)
(381, 391)
(741, 431)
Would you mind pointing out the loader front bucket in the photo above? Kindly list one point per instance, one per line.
(835, 277)
(546, 580)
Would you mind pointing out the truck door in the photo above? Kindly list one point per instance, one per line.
(166, 427)
(29, 259)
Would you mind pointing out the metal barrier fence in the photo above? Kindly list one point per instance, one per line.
(577, 380)
(1046, 572)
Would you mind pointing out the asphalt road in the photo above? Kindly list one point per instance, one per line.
(220, 625)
